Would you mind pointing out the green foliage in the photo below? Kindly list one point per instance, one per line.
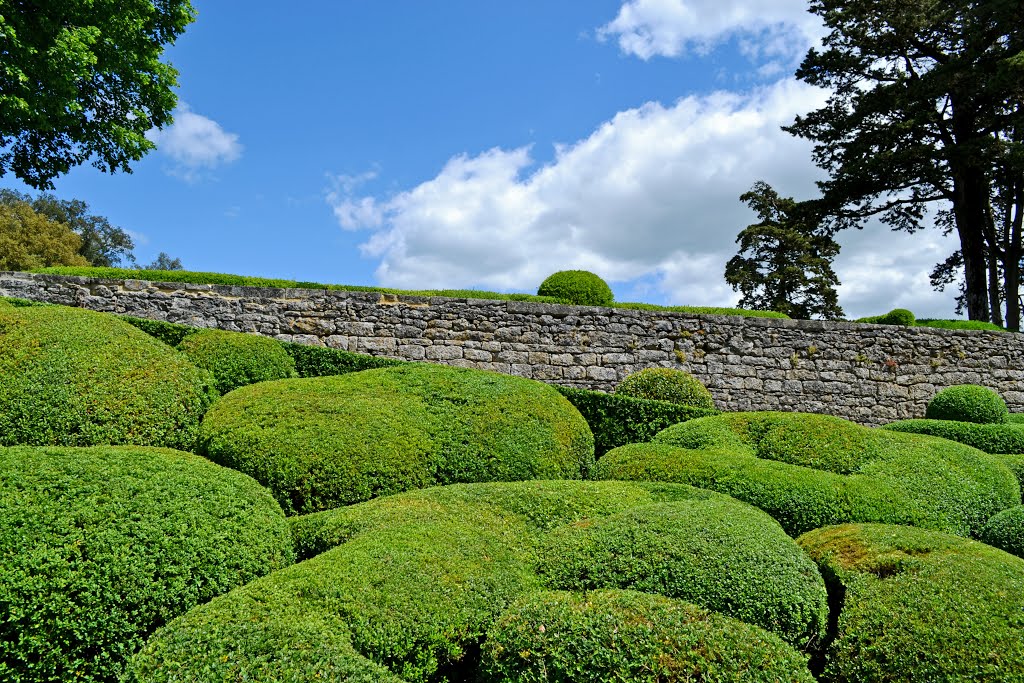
(809, 471)
(171, 334)
(322, 442)
(1006, 531)
(667, 384)
(237, 359)
(715, 553)
(73, 377)
(411, 582)
(919, 605)
(620, 420)
(101, 546)
(84, 82)
(31, 240)
(784, 262)
(578, 287)
(320, 361)
(968, 403)
(991, 438)
(897, 316)
(103, 244)
(618, 635)
(958, 324)
(704, 310)
(20, 303)
(164, 262)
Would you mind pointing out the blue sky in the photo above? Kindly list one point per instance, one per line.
(488, 144)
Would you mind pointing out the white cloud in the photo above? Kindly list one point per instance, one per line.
(769, 30)
(649, 201)
(195, 143)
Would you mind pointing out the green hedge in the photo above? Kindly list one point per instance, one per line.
(321, 361)
(413, 582)
(613, 635)
(76, 378)
(968, 403)
(318, 443)
(237, 359)
(991, 438)
(958, 324)
(897, 316)
(1006, 531)
(809, 471)
(666, 384)
(577, 287)
(171, 334)
(100, 546)
(703, 310)
(711, 552)
(619, 420)
(919, 605)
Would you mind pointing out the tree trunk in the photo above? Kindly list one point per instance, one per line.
(970, 202)
(1011, 269)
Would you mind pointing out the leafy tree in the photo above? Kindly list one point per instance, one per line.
(785, 261)
(31, 240)
(164, 262)
(925, 98)
(83, 80)
(103, 244)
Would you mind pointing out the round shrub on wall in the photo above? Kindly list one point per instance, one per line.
(667, 384)
(920, 605)
(968, 403)
(73, 377)
(100, 546)
(237, 359)
(579, 287)
(809, 471)
(620, 635)
(405, 586)
(321, 442)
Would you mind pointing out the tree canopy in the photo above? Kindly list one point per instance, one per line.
(927, 107)
(784, 262)
(31, 240)
(83, 80)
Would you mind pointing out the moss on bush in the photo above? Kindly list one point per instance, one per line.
(100, 546)
(809, 471)
(78, 378)
(920, 605)
(410, 582)
(579, 287)
(628, 636)
(322, 442)
(620, 420)
(237, 359)
(968, 403)
(1006, 531)
(667, 384)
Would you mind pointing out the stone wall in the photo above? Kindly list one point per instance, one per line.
(868, 373)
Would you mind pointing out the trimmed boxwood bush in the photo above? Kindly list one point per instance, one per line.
(809, 471)
(322, 442)
(968, 403)
(711, 552)
(919, 605)
(667, 384)
(321, 361)
(608, 635)
(169, 333)
(897, 316)
(579, 287)
(619, 420)
(237, 359)
(100, 546)
(411, 582)
(1006, 531)
(73, 377)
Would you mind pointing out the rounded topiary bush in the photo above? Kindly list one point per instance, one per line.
(666, 384)
(968, 403)
(407, 585)
(580, 287)
(1006, 531)
(73, 377)
(321, 442)
(100, 546)
(920, 605)
(237, 359)
(613, 635)
(809, 471)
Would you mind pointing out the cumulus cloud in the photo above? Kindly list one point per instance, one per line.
(195, 143)
(771, 31)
